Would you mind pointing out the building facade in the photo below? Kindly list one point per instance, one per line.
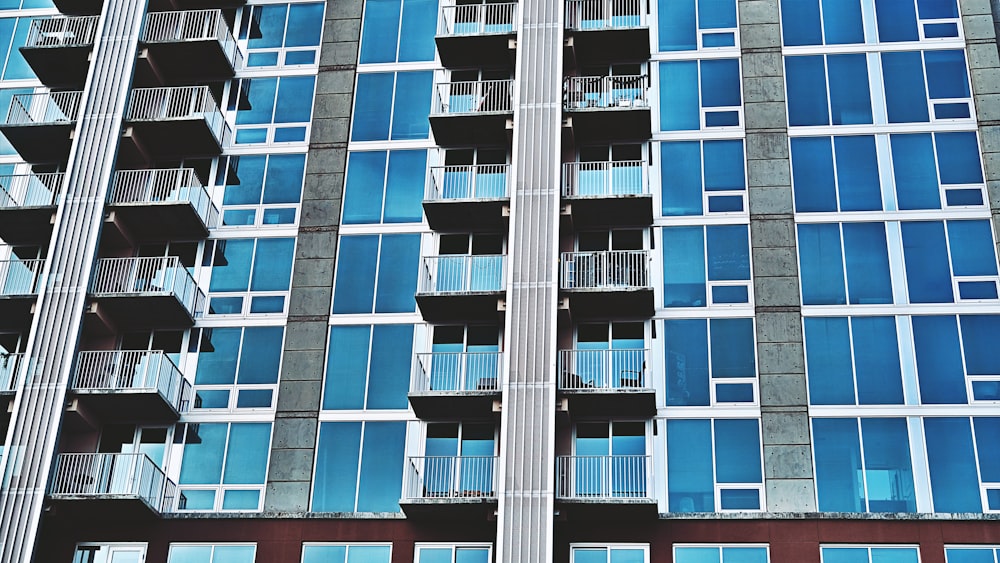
(571, 281)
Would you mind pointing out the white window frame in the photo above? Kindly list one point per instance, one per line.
(720, 547)
(213, 546)
(417, 547)
(347, 546)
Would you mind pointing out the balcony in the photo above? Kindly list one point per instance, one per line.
(130, 386)
(472, 113)
(450, 486)
(603, 486)
(606, 283)
(58, 49)
(28, 207)
(455, 384)
(461, 287)
(477, 35)
(603, 31)
(173, 39)
(468, 196)
(130, 486)
(605, 193)
(40, 126)
(165, 204)
(165, 123)
(20, 281)
(607, 108)
(606, 382)
(145, 293)
(9, 365)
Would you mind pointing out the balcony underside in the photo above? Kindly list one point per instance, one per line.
(160, 220)
(607, 509)
(622, 401)
(111, 507)
(15, 311)
(608, 210)
(463, 130)
(58, 66)
(132, 405)
(450, 405)
(607, 46)
(465, 214)
(79, 7)
(611, 303)
(180, 5)
(437, 308)
(151, 141)
(43, 143)
(607, 124)
(26, 225)
(487, 50)
(169, 64)
(139, 311)
(473, 508)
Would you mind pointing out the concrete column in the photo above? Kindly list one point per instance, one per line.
(296, 421)
(780, 355)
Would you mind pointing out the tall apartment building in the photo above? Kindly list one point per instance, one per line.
(571, 281)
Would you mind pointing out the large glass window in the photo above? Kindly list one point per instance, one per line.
(706, 266)
(211, 553)
(714, 465)
(720, 554)
(376, 273)
(853, 361)
(460, 553)
(392, 106)
(709, 362)
(972, 554)
(866, 554)
(272, 110)
(831, 252)
(702, 177)
(385, 187)
(698, 95)
(279, 35)
(398, 31)
(346, 553)
(964, 463)
(609, 553)
(818, 22)
(949, 261)
(24, 4)
(249, 276)
(828, 90)
(359, 467)
(261, 189)
(835, 174)
(926, 86)
(13, 35)
(935, 170)
(912, 20)
(687, 25)
(956, 361)
(224, 466)
(368, 367)
(237, 367)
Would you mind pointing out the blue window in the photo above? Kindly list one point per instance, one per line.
(964, 463)
(237, 367)
(702, 177)
(280, 35)
(340, 486)
(211, 553)
(706, 265)
(385, 187)
(853, 361)
(835, 174)
(900, 20)
(616, 553)
(913, 80)
(720, 554)
(392, 106)
(444, 553)
(931, 168)
(224, 466)
(261, 267)
(700, 94)
(272, 110)
(346, 553)
(829, 251)
(696, 376)
(13, 35)
(863, 465)
(368, 367)
(390, 261)
(24, 4)
(702, 477)
(955, 360)
(687, 25)
(844, 99)
(841, 22)
(971, 554)
(949, 260)
(398, 31)
(863, 554)
(261, 189)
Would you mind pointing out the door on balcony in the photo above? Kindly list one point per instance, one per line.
(474, 174)
(140, 360)
(128, 473)
(610, 263)
(12, 345)
(459, 459)
(20, 272)
(479, 91)
(609, 355)
(609, 170)
(470, 262)
(156, 276)
(465, 358)
(620, 85)
(610, 460)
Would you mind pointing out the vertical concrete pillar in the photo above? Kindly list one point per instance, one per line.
(296, 421)
(780, 354)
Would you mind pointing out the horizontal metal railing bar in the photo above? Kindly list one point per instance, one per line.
(21, 277)
(462, 273)
(30, 190)
(605, 269)
(605, 14)
(178, 103)
(191, 25)
(468, 181)
(611, 178)
(130, 370)
(98, 475)
(44, 108)
(164, 185)
(473, 19)
(609, 92)
(603, 477)
(76, 31)
(450, 477)
(473, 97)
(156, 275)
(603, 369)
(457, 371)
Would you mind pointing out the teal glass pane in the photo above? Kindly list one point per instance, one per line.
(231, 265)
(272, 269)
(888, 473)
(217, 364)
(737, 451)
(677, 30)
(952, 464)
(246, 456)
(389, 380)
(261, 355)
(202, 461)
(828, 357)
(972, 248)
(690, 484)
(412, 105)
(397, 278)
(821, 264)
(381, 467)
(837, 454)
(897, 20)
(915, 174)
(842, 22)
(686, 349)
(337, 453)
(867, 260)
(684, 277)
(354, 289)
(905, 95)
(373, 106)
(800, 23)
(696, 555)
(876, 361)
(679, 101)
(939, 360)
(404, 189)
(347, 368)
(925, 253)
(285, 173)
(805, 78)
(857, 173)
(813, 175)
(305, 25)
(324, 553)
(416, 36)
(681, 173)
(379, 31)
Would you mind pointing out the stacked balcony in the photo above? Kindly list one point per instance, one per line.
(58, 49)
(607, 193)
(171, 40)
(607, 283)
(467, 196)
(607, 108)
(169, 123)
(129, 485)
(449, 486)
(461, 287)
(472, 112)
(20, 282)
(92, 7)
(170, 204)
(471, 35)
(145, 293)
(605, 486)
(130, 386)
(28, 206)
(606, 30)
(446, 385)
(40, 126)
(606, 382)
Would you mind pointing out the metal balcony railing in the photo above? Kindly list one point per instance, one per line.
(462, 273)
(192, 25)
(608, 92)
(602, 477)
(473, 97)
(9, 365)
(582, 15)
(605, 269)
(602, 369)
(181, 103)
(164, 185)
(30, 190)
(20, 277)
(450, 477)
(149, 276)
(113, 475)
(477, 19)
(78, 31)
(456, 371)
(467, 181)
(131, 370)
(45, 108)
(614, 178)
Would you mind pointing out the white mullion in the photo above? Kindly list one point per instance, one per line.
(378, 264)
(854, 360)
(399, 28)
(876, 89)
(843, 264)
(233, 391)
(368, 366)
(864, 465)
(961, 349)
(361, 455)
(919, 465)
(951, 268)
(222, 472)
(907, 364)
(979, 473)
(826, 81)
